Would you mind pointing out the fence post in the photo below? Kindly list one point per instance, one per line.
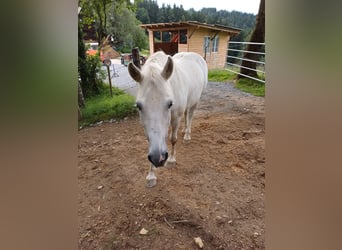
(136, 57)
(108, 62)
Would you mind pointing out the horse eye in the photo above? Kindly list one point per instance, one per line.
(170, 104)
(139, 106)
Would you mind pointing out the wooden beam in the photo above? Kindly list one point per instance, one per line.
(193, 31)
(212, 38)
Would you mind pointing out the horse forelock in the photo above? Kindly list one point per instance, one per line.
(152, 69)
(152, 74)
(154, 82)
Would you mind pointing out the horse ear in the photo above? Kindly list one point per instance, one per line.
(168, 68)
(135, 72)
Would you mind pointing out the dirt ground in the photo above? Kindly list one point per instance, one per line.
(215, 192)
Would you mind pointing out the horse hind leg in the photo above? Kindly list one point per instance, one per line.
(188, 119)
(185, 120)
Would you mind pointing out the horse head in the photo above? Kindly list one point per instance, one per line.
(154, 101)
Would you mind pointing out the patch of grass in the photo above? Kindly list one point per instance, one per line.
(104, 107)
(251, 86)
(145, 52)
(220, 75)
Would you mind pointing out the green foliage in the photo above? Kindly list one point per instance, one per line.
(142, 15)
(114, 18)
(145, 52)
(88, 69)
(151, 9)
(126, 31)
(97, 12)
(220, 75)
(104, 107)
(251, 86)
(148, 11)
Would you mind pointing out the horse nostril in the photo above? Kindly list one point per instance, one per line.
(149, 157)
(158, 159)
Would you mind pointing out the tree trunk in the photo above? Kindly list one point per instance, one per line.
(105, 17)
(79, 113)
(99, 29)
(81, 102)
(258, 36)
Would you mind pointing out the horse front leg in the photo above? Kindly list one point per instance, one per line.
(171, 162)
(151, 178)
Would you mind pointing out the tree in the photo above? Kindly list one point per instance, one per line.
(125, 30)
(96, 12)
(81, 102)
(258, 36)
(152, 9)
(142, 15)
(149, 12)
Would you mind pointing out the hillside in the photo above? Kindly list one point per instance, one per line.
(148, 11)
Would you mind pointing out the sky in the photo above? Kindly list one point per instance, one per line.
(248, 6)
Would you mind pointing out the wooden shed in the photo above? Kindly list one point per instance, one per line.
(208, 40)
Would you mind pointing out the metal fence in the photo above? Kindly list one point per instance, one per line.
(236, 51)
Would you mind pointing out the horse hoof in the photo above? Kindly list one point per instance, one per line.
(170, 164)
(186, 140)
(151, 183)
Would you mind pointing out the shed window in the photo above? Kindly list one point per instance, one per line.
(215, 42)
(183, 36)
(206, 44)
(156, 36)
(166, 36)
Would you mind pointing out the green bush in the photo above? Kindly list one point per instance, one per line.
(89, 69)
(91, 76)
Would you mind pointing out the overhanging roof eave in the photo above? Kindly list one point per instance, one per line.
(187, 24)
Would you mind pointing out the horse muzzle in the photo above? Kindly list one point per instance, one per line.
(158, 159)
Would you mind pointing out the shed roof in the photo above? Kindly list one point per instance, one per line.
(185, 24)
